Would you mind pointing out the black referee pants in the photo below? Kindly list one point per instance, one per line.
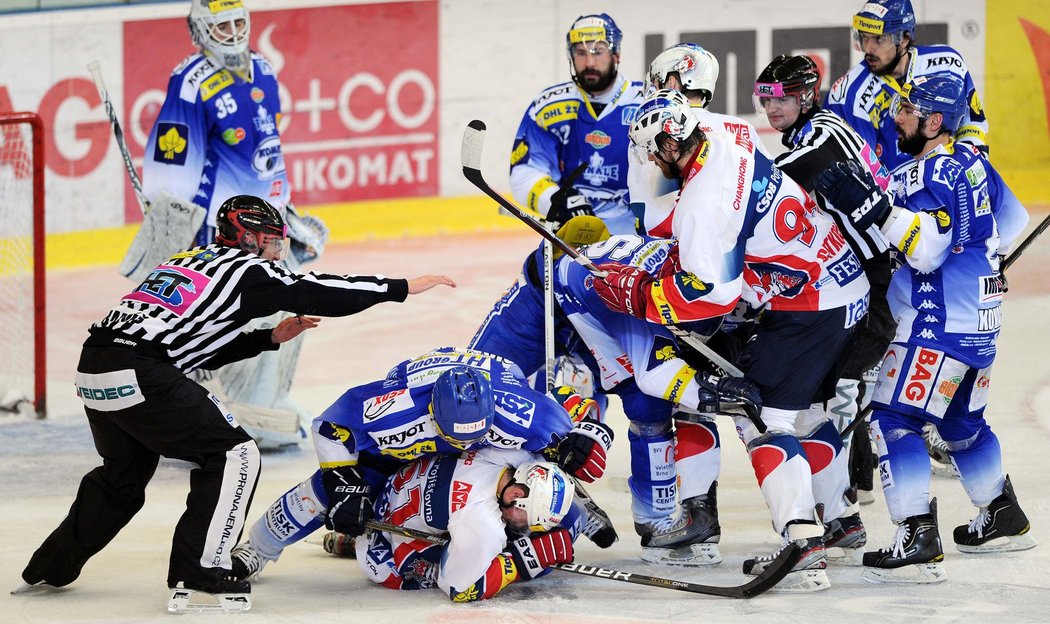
(178, 419)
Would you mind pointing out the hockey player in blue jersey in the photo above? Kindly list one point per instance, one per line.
(884, 31)
(577, 123)
(441, 402)
(673, 440)
(950, 218)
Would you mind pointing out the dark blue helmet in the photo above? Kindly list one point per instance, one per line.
(598, 27)
(942, 93)
(884, 17)
(463, 405)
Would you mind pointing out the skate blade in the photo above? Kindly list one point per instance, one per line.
(191, 601)
(693, 555)
(1008, 543)
(846, 556)
(803, 581)
(25, 589)
(921, 573)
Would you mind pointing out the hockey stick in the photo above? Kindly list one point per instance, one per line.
(473, 143)
(762, 583)
(860, 418)
(1024, 245)
(118, 132)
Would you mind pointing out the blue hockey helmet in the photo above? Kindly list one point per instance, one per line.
(594, 28)
(942, 92)
(884, 17)
(463, 406)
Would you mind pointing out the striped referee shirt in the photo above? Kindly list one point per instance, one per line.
(193, 308)
(815, 143)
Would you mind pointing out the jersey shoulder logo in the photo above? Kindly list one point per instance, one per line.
(172, 141)
(215, 84)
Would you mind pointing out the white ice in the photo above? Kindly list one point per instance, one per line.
(41, 464)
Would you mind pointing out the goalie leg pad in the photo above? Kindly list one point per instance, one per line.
(167, 228)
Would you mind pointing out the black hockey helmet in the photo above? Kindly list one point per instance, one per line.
(789, 75)
(246, 213)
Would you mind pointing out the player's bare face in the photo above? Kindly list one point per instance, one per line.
(272, 247)
(515, 517)
(782, 112)
(595, 66)
(881, 54)
(910, 139)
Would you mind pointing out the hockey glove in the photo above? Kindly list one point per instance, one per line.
(624, 288)
(851, 190)
(578, 408)
(533, 555)
(566, 204)
(731, 395)
(349, 500)
(582, 453)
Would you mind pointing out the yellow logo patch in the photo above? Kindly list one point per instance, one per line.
(412, 452)
(867, 25)
(218, 6)
(556, 113)
(216, 83)
(171, 143)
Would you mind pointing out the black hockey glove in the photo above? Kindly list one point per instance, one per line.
(567, 202)
(731, 395)
(583, 451)
(851, 190)
(349, 500)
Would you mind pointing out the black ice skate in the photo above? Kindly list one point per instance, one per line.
(691, 539)
(999, 527)
(809, 574)
(247, 563)
(916, 555)
(844, 539)
(209, 596)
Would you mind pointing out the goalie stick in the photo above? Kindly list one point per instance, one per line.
(473, 143)
(762, 583)
(118, 132)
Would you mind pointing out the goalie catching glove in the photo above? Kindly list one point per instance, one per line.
(851, 190)
(349, 500)
(624, 288)
(731, 395)
(533, 555)
(582, 452)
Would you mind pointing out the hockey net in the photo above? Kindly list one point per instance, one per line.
(22, 311)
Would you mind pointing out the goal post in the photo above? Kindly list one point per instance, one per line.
(23, 344)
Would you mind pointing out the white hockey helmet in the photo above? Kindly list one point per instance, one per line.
(548, 497)
(666, 112)
(220, 28)
(696, 68)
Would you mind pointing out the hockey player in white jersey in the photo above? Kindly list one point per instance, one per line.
(441, 402)
(884, 31)
(692, 71)
(580, 124)
(749, 234)
(787, 91)
(950, 218)
(508, 516)
(674, 444)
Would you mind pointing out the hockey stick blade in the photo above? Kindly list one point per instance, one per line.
(473, 143)
(773, 574)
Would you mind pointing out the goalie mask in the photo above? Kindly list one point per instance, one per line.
(220, 28)
(548, 494)
(463, 406)
(249, 223)
(697, 69)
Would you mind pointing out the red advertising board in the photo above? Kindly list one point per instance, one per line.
(359, 95)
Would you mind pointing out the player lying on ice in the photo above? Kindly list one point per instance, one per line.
(442, 402)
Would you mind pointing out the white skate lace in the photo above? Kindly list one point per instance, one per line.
(903, 532)
(977, 524)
